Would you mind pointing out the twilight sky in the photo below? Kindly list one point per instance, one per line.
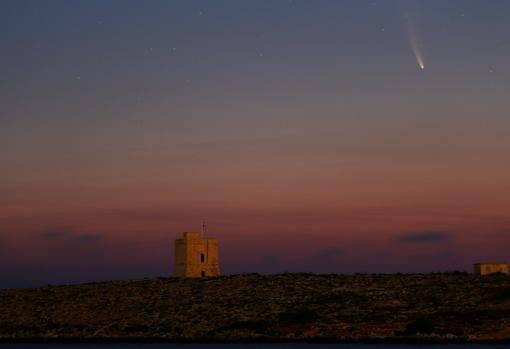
(304, 133)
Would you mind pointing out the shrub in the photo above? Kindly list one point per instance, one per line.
(501, 294)
(300, 315)
(421, 325)
(261, 326)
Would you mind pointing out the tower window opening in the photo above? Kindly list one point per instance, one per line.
(203, 274)
(202, 258)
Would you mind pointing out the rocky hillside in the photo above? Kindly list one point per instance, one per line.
(255, 307)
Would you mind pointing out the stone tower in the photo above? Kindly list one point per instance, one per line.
(196, 256)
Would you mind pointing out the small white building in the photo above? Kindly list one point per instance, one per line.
(490, 268)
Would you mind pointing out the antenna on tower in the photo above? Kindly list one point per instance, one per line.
(203, 228)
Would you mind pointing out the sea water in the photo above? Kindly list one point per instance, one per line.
(242, 346)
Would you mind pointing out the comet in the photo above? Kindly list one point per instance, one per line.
(416, 47)
(415, 42)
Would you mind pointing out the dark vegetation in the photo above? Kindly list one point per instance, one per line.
(421, 325)
(451, 306)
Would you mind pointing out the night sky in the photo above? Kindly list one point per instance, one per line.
(305, 133)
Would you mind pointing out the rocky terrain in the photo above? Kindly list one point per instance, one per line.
(432, 307)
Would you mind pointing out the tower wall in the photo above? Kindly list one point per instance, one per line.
(196, 256)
